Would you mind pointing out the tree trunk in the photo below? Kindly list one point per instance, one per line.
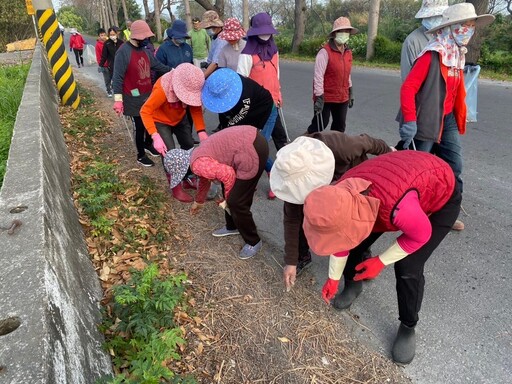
(146, 8)
(114, 13)
(245, 12)
(207, 5)
(475, 44)
(125, 10)
(300, 24)
(373, 27)
(188, 17)
(108, 9)
(156, 4)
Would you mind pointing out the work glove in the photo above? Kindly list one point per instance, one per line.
(101, 69)
(202, 135)
(350, 98)
(330, 289)
(369, 269)
(118, 107)
(158, 143)
(407, 133)
(319, 104)
(203, 65)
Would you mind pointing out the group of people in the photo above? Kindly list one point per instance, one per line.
(337, 202)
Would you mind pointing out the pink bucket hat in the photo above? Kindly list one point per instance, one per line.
(232, 30)
(343, 23)
(166, 82)
(338, 217)
(188, 81)
(140, 30)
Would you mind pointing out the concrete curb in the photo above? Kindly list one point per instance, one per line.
(49, 291)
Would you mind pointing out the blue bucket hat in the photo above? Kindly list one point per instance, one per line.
(176, 163)
(178, 30)
(221, 90)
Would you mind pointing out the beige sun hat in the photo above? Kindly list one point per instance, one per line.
(211, 19)
(459, 13)
(300, 167)
(343, 23)
(431, 8)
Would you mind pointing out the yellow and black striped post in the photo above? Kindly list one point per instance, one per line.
(56, 50)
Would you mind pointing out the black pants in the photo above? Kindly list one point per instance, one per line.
(339, 117)
(279, 134)
(241, 197)
(410, 281)
(107, 78)
(79, 56)
(142, 137)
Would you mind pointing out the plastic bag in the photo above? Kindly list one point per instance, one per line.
(89, 55)
(471, 73)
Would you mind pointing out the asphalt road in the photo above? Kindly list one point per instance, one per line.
(465, 329)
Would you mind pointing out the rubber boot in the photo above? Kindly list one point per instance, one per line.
(271, 195)
(345, 298)
(404, 346)
(179, 194)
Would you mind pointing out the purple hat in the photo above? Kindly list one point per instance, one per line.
(261, 24)
(176, 163)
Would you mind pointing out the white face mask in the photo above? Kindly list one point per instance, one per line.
(113, 38)
(431, 22)
(264, 37)
(341, 37)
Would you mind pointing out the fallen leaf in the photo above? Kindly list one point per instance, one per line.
(284, 339)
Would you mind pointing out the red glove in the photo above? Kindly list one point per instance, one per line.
(202, 135)
(118, 107)
(369, 269)
(330, 289)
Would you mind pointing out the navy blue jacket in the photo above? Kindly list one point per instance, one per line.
(173, 55)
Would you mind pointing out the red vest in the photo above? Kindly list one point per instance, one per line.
(138, 73)
(336, 75)
(265, 74)
(396, 173)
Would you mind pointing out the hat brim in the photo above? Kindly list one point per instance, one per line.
(141, 36)
(186, 96)
(177, 174)
(353, 31)
(231, 35)
(217, 104)
(263, 30)
(480, 21)
(211, 24)
(180, 36)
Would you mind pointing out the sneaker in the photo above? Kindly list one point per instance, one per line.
(221, 232)
(303, 264)
(249, 251)
(145, 161)
(109, 94)
(458, 226)
(152, 151)
(271, 195)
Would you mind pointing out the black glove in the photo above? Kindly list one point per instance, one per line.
(350, 98)
(203, 65)
(319, 104)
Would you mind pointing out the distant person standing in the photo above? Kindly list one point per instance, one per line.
(175, 50)
(128, 30)
(332, 82)
(103, 69)
(199, 41)
(213, 25)
(76, 44)
(108, 54)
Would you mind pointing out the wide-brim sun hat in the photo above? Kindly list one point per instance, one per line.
(178, 30)
(343, 23)
(211, 19)
(187, 83)
(140, 30)
(460, 13)
(431, 8)
(232, 30)
(300, 167)
(261, 24)
(338, 217)
(167, 86)
(221, 90)
(176, 164)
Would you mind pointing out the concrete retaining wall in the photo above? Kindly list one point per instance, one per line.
(49, 291)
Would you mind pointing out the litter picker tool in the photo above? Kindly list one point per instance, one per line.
(281, 115)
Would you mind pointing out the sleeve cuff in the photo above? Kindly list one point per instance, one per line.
(118, 97)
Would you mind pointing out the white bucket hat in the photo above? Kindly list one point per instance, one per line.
(300, 167)
(431, 8)
(459, 13)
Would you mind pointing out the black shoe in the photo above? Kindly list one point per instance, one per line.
(145, 161)
(303, 264)
(152, 151)
(404, 346)
(345, 298)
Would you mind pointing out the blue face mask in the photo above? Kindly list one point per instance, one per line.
(431, 22)
(210, 32)
(462, 34)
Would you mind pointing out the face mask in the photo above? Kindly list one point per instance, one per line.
(142, 43)
(264, 37)
(462, 34)
(210, 32)
(179, 41)
(341, 37)
(113, 38)
(431, 22)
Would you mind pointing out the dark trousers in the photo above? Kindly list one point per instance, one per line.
(339, 117)
(279, 134)
(107, 78)
(241, 197)
(410, 281)
(79, 56)
(142, 137)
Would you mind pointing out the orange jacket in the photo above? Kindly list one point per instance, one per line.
(158, 109)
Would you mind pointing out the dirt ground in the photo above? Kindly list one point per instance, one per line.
(247, 329)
